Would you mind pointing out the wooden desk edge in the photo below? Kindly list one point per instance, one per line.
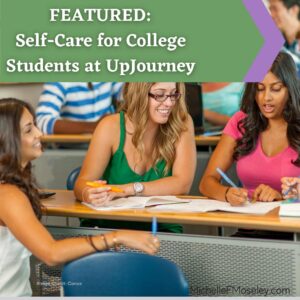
(270, 221)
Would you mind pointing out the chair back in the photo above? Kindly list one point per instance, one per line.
(72, 178)
(123, 274)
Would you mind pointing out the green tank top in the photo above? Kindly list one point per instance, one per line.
(119, 172)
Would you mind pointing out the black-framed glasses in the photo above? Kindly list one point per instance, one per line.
(162, 98)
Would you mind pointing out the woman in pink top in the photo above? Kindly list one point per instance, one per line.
(263, 138)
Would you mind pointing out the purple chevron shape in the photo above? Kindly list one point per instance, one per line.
(273, 40)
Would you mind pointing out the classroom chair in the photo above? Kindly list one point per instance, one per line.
(123, 274)
(71, 179)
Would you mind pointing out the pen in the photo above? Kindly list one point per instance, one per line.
(228, 180)
(213, 133)
(154, 225)
(96, 184)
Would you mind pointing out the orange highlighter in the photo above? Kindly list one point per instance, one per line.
(96, 184)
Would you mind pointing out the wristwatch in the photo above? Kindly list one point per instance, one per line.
(138, 188)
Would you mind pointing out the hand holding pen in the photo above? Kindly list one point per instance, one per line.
(154, 231)
(234, 195)
(97, 184)
(99, 193)
(154, 226)
(290, 187)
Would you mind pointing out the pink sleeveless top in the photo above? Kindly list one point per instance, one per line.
(256, 168)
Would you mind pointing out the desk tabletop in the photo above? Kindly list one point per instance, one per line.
(64, 204)
(86, 138)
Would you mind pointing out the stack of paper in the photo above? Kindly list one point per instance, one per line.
(290, 208)
(178, 205)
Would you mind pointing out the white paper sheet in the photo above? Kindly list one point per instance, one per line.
(206, 205)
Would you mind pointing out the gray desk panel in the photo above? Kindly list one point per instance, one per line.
(213, 266)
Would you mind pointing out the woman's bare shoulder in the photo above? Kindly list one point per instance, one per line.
(110, 123)
(189, 124)
(7, 188)
(189, 120)
(9, 192)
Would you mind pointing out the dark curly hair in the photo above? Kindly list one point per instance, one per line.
(11, 170)
(254, 123)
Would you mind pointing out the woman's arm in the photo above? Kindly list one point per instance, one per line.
(64, 126)
(210, 184)
(179, 183)
(98, 155)
(17, 214)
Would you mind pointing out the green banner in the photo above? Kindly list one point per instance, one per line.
(126, 40)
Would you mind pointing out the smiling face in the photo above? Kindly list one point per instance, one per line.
(159, 112)
(283, 17)
(271, 96)
(31, 147)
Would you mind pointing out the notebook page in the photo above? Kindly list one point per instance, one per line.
(259, 208)
(121, 203)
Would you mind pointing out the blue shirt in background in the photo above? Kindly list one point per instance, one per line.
(225, 101)
(75, 101)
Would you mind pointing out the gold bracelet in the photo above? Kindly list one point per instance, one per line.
(115, 241)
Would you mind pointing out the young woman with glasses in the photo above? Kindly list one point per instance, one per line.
(146, 149)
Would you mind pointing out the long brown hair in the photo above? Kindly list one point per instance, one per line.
(136, 106)
(11, 170)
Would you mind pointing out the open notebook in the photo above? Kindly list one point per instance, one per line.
(138, 202)
(166, 204)
(206, 205)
